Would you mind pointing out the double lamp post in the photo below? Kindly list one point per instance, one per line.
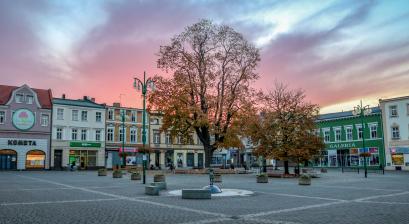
(362, 111)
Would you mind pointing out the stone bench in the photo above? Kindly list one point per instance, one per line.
(152, 190)
(160, 185)
(196, 194)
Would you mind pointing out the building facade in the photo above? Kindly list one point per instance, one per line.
(25, 127)
(124, 134)
(396, 123)
(343, 136)
(168, 149)
(78, 134)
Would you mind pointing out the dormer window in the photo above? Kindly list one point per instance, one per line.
(29, 99)
(19, 98)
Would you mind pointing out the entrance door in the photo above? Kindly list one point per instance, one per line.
(200, 160)
(57, 159)
(190, 159)
(109, 160)
(8, 160)
(157, 159)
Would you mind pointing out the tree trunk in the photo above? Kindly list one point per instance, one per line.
(286, 167)
(208, 150)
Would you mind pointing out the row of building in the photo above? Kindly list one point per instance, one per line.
(38, 131)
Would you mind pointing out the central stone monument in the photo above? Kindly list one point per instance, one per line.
(214, 189)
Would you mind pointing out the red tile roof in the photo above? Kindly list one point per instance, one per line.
(44, 96)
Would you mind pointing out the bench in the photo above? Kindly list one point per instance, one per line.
(152, 190)
(160, 185)
(196, 194)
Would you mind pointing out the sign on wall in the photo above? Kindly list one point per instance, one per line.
(23, 119)
(85, 144)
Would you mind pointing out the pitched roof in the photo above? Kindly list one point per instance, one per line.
(79, 103)
(344, 114)
(44, 95)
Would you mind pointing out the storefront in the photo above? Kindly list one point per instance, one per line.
(399, 157)
(188, 158)
(86, 155)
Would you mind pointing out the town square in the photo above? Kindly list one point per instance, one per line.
(213, 111)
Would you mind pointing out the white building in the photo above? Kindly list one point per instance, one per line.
(78, 133)
(395, 116)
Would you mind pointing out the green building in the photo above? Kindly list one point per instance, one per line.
(343, 137)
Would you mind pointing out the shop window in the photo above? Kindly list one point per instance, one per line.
(98, 116)
(44, 120)
(397, 159)
(29, 99)
(2, 117)
(180, 160)
(190, 159)
(74, 135)
(74, 115)
(35, 159)
(354, 156)
(83, 158)
(374, 158)
(60, 114)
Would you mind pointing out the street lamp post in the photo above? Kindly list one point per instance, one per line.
(123, 138)
(361, 111)
(143, 86)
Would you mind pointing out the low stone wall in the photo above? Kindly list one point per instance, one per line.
(196, 194)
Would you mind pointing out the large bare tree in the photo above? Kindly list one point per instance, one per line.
(213, 67)
(285, 128)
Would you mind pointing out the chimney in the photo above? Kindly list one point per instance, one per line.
(63, 95)
(85, 98)
(117, 104)
(93, 99)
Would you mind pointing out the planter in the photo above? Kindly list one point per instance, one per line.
(323, 170)
(304, 179)
(262, 179)
(117, 174)
(102, 172)
(135, 176)
(159, 178)
(217, 178)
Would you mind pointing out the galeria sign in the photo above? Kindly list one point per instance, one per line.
(23, 119)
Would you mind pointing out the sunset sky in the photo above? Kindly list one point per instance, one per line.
(337, 51)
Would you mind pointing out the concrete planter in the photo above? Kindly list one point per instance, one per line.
(135, 176)
(117, 174)
(102, 172)
(159, 178)
(217, 178)
(323, 170)
(262, 179)
(304, 179)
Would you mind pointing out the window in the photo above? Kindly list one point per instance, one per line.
(110, 115)
(348, 132)
(407, 109)
(156, 136)
(19, 98)
(374, 131)
(359, 130)
(83, 134)
(29, 99)
(59, 133)
(98, 116)
(74, 134)
(155, 121)
(44, 120)
(97, 135)
(338, 135)
(133, 135)
(393, 111)
(168, 139)
(179, 139)
(60, 114)
(133, 116)
(2, 117)
(121, 134)
(395, 132)
(326, 136)
(74, 115)
(84, 115)
(110, 134)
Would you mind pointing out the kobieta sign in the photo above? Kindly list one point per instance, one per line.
(21, 142)
(342, 145)
(23, 119)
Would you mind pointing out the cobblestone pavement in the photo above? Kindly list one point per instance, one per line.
(83, 197)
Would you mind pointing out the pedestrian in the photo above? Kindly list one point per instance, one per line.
(72, 165)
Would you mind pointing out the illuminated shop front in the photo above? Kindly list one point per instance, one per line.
(85, 155)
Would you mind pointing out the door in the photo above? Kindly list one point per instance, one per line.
(57, 159)
(8, 161)
(109, 160)
(200, 160)
(190, 159)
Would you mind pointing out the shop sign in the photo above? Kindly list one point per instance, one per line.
(23, 119)
(403, 150)
(342, 145)
(21, 142)
(85, 144)
(129, 149)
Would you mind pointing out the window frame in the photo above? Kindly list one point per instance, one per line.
(60, 116)
(74, 132)
(72, 115)
(3, 112)
(96, 116)
(391, 110)
(59, 134)
(47, 120)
